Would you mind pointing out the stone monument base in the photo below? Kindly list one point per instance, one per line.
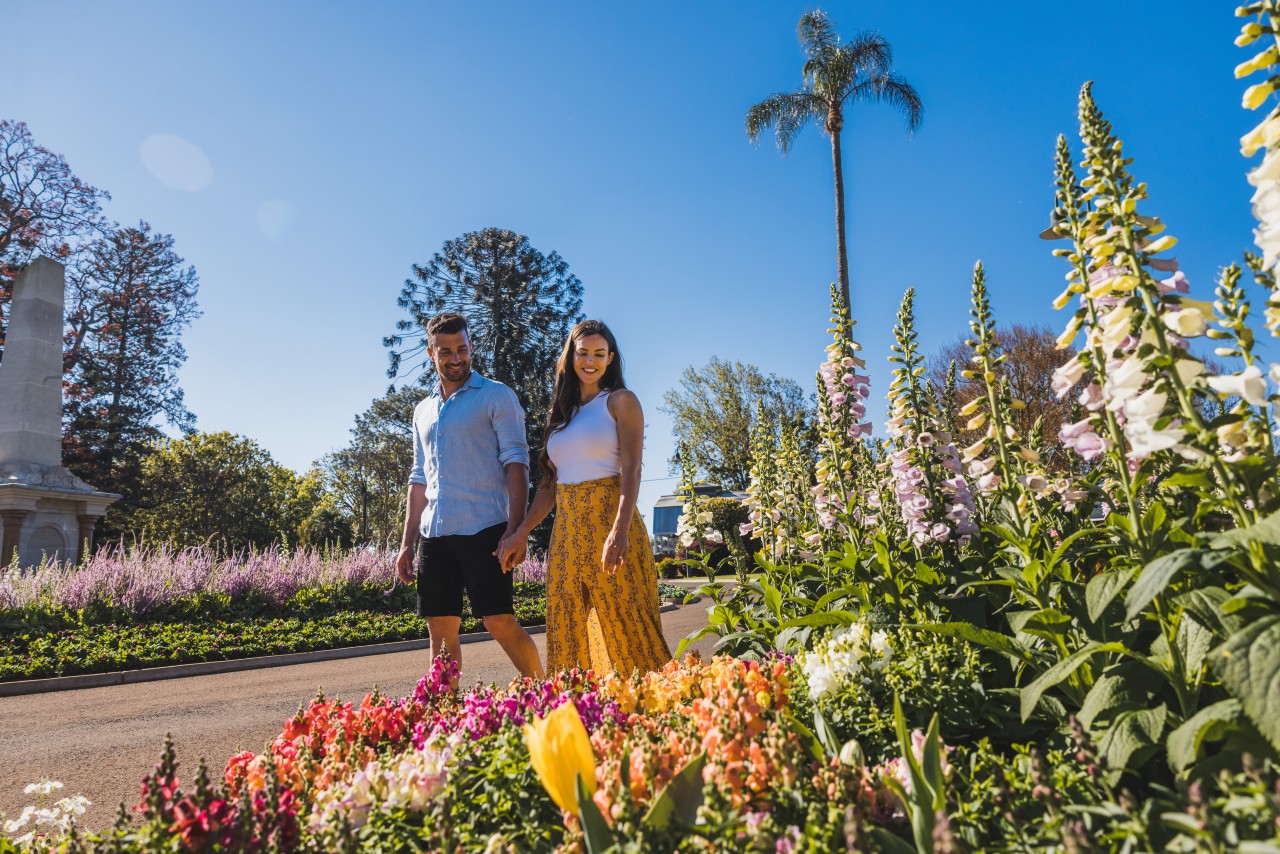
(47, 512)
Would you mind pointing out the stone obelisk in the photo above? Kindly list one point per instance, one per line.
(47, 512)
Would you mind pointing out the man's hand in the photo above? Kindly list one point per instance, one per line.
(512, 549)
(405, 569)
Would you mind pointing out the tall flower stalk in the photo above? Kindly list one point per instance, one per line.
(933, 496)
(843, 387)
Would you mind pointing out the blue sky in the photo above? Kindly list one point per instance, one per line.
(304, 155)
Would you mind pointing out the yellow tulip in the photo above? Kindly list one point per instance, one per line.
(560, 751)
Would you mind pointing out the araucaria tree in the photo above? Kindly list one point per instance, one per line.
(836, 73)
(519, 305)
(44, 208)
(131, 298)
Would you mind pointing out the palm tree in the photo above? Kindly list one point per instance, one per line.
(835, 73)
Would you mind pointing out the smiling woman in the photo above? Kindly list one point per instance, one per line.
(602, 598)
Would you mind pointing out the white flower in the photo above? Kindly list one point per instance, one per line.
(1145, 440)
(1114, 327)
(1124, 382)
(1066, 376)
(1247, 385)
(1187, 322)
(1145, 408)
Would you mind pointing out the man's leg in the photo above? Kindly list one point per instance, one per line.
(492, 594)
(515, 642)
(444, 636)
(440, 597)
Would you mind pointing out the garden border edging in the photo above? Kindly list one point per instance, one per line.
(204, 668)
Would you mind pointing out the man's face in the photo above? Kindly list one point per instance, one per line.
(451, 353)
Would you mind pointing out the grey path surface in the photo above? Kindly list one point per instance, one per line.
(100, 741)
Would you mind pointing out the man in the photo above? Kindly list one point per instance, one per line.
(469, 486)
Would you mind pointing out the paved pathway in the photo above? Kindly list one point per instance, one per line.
(100, 741)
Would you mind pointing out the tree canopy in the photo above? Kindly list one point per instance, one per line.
(44, 208)
(222, 489)
(520, 306)
(714, 409)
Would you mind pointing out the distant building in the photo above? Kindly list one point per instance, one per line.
(668, 509)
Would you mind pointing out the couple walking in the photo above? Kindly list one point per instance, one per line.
(466, 521)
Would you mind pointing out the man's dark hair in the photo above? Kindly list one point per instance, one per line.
(447, 323)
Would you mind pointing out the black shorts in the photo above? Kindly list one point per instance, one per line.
(447, 566)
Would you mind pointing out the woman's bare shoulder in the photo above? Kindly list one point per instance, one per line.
(623, 400)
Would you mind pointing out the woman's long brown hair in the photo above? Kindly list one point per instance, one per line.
(566, 396)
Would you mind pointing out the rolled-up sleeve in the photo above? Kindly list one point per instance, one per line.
(418, 473)
(508, 425)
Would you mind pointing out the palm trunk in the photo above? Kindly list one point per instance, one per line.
(842, 254)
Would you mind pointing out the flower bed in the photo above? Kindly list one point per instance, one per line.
(146, 608)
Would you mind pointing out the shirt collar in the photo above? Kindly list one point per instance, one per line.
(473, 381)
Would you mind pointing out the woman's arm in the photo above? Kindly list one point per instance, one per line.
(513, 542)
(625, 408)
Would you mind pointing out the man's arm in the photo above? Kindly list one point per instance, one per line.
(414, 505)
(517, 502)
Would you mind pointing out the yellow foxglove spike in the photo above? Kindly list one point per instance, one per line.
(560, 752)
(1256, 94)
(1263, 60)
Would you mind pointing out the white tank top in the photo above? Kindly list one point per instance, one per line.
(587, 447)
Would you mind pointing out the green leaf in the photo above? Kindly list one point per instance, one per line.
(599, 837)
(1204, 604)
(772, 598)
(1158, 575)
(1154, 517)
(1132, 736)
(1124, 686)
(1194, 478)
(1194, 641)
(1249, 666)
(1102, 590)
(826, 737)
(1266, 531)
(1207, 724)
(982, 637)
(1049, 623)
(825, 618)
(891, 843)
(680, 798)
(1063, 669)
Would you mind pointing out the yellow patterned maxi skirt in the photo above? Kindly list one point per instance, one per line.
(596, 620)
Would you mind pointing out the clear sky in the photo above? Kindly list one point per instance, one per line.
(304, 155)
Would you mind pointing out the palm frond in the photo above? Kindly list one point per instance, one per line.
(786, 112)
(894, 90)
(869, 53)
(817, 33)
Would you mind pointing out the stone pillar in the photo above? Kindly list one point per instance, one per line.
(31, 371)
(12, 527)
(84, 546)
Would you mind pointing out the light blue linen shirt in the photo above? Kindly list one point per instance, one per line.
(461, 447)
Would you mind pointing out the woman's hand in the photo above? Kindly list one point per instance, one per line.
(512, 549)
(615, 550)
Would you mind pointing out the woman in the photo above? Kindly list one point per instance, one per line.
(602, 590)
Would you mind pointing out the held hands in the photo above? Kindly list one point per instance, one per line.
(615, 550)
(512, 549)
(404, 565)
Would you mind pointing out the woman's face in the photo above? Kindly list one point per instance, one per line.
(591, 355)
